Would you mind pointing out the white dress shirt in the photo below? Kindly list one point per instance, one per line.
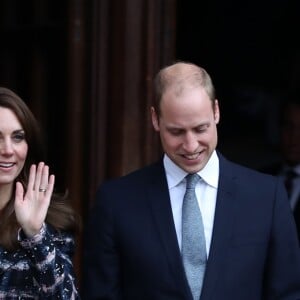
(206, 192)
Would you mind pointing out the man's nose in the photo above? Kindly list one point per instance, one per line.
(190, 143)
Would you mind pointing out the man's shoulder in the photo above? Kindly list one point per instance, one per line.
(144, 173)
(273, 169)
(237, 169)
(132, 186)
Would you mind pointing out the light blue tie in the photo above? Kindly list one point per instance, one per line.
(193, 249)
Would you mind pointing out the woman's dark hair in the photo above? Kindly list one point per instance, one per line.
(60, 215)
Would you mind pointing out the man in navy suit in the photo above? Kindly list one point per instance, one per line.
(134, 240)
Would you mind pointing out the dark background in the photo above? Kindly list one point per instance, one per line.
(250, 48)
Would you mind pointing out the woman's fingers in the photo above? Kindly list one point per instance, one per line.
(19, 193)
(50, 186)
(38, 178)
(31, 179)
(39, 175)
(43, 173)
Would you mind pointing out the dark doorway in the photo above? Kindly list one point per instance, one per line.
(250, 49)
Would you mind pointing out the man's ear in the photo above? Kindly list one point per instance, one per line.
(216, 112)
(154, 118)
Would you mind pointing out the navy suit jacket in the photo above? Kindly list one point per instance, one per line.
(275, 170)
(131, 249)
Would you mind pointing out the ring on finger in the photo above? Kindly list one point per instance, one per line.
(42, 190)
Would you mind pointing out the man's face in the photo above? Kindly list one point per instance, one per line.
(188, 127)
(290, 135)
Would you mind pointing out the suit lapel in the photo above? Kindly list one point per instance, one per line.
(222, 229)
(296, 213)
(159, 200)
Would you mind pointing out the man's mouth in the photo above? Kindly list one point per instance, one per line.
(191, 156)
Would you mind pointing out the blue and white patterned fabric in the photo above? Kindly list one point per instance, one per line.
(40, 269)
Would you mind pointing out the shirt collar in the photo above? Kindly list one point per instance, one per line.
(210, 173)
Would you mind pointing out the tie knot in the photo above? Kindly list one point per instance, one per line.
(191, 180)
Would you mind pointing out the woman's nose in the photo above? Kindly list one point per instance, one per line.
(6, 147)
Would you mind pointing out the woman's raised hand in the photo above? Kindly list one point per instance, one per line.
(31, 208)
